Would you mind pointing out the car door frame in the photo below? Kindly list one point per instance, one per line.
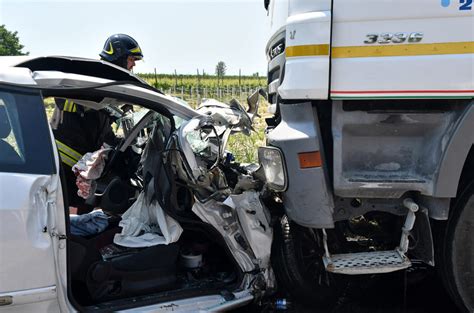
(30, 199)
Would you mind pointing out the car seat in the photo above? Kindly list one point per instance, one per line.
(123, 272)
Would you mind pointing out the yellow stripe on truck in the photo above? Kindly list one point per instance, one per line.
(307, 50)
(403, 50)
(382, 51)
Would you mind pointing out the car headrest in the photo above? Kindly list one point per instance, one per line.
(5, 127)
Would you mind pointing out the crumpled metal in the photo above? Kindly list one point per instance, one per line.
(225, 116)
(255, 221)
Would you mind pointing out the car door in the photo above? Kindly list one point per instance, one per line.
(28, 180)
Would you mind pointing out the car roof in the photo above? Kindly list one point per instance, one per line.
(82, 66)
(88, 79)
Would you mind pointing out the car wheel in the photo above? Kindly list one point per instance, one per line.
(297, 261)
(457, 259)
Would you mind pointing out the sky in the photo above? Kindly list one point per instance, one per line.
(181, 35)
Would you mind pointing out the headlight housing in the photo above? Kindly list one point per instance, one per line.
(273, 164)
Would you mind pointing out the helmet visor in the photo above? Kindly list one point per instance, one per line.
(137, 57)
(137, 53)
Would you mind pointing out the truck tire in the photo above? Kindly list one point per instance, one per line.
(458, 251)
(296, 259)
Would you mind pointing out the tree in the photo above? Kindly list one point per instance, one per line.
(220, 70)
(9, 43)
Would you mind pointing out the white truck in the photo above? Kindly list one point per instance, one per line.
(370, 147)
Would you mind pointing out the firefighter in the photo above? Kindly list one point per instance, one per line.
(121, 50)
(79, 130)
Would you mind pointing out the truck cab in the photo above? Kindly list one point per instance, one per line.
(373, 124)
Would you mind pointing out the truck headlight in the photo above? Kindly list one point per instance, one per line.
(273, 163)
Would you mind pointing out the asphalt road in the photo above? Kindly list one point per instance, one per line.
(390, 293)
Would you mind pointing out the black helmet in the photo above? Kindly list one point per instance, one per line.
(118, 47)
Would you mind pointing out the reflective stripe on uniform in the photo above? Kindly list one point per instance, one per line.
(67, 159)
(66, 106)
(69, 106)
(68, 155)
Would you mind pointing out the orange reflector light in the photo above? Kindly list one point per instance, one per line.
(310, 159)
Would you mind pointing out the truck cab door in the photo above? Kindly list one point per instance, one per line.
(307, 50)
(28, 178)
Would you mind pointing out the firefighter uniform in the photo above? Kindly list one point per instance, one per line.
(80, 130)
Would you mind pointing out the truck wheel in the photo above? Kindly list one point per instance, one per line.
(296, 259)
(458, 253)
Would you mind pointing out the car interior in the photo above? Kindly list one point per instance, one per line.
(106, 275)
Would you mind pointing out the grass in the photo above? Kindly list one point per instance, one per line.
(243, 147)
(166, 81)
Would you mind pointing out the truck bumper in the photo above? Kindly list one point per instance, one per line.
(308, 200)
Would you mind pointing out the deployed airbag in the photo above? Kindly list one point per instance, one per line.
(145, 225)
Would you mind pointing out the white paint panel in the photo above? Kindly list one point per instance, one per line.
(434, 29)
(211, 303)
(305, 78)
(278, 13)
(49, 306)
(48, 79)
(22, 297)
(26, 257)
(366, 10)
(302, 6)
(310, 28)
(15, 75)
(353, 20)
(438, 72)
(280, 10)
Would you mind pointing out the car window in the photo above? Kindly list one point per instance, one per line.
(14, 152)
(133, 118)
(25, 141)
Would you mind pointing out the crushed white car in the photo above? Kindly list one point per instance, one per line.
(206, 242)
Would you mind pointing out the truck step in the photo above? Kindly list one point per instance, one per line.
(366, 262)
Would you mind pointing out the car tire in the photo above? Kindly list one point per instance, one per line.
(457, 254)
(296, 259)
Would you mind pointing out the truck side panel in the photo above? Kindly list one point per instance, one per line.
(373, 56)
(382, 153)
(455, 155)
